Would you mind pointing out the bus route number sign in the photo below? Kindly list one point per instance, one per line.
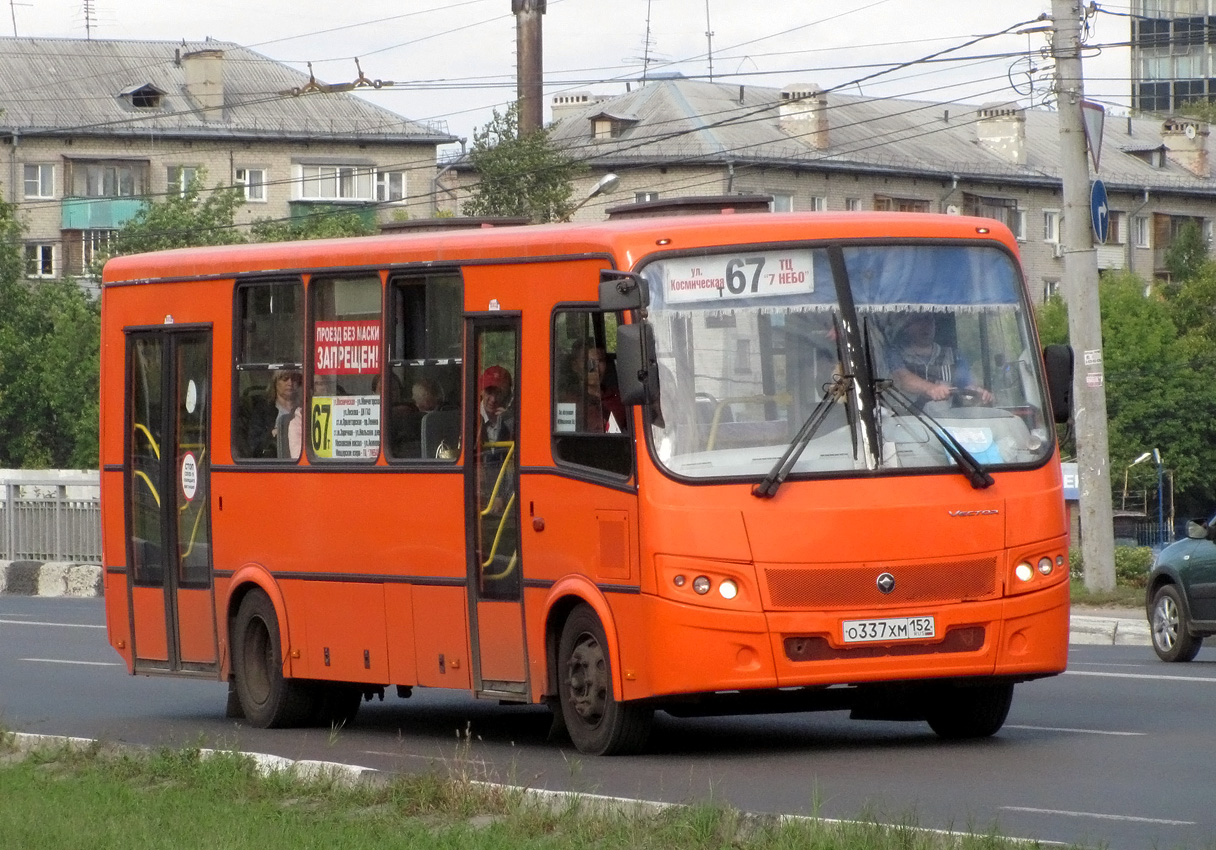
(891, 628)
(728, 277)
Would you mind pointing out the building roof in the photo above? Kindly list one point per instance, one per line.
(691, 122)
(61, 86)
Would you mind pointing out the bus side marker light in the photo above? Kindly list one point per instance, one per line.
(1024, 571)
(1045, 566)
(122, 644)
(701, 585)
(728, 589)
(295, 653)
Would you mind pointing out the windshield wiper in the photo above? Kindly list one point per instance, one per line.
(833, 392)
(972, 468)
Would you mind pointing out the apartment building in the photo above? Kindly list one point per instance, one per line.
(1173, 53)
(90, 130)
(816, 150)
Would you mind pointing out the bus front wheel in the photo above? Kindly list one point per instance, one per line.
(596, 721)
(268, 699)
(969, 711)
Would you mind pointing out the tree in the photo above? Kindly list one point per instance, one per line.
(327, 223)
(182, 220)
(525, 177)
(1157, 390)
(1187, 254)
(49, 364)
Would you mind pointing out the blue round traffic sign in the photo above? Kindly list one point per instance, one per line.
(1099, 211)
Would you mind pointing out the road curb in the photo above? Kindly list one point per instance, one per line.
(50, 578)
(1108, 631)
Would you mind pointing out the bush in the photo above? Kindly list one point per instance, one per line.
(1132, 564)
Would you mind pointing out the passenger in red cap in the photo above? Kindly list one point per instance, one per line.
(494, 389)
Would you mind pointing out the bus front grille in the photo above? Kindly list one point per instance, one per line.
(856, 586)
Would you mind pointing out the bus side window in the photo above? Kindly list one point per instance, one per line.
(343, 422)
(591, 427)
(269, 368)
(422, 419)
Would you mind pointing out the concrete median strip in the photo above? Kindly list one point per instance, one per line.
(53, 578)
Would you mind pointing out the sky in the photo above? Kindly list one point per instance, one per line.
(453, 62)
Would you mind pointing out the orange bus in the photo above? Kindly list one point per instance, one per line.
(702, 464)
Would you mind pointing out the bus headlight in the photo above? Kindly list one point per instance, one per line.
(701, 585)
(1045, 566)
(728, 589)
(1024, 571)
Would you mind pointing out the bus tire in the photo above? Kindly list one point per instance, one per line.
(971, 711)
(268, 699)
(598, 723)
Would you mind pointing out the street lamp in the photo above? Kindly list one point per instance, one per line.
(603, 186)
(1155, 454)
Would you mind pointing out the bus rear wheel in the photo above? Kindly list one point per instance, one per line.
(596, 721)
(268, 699)
(969, 711)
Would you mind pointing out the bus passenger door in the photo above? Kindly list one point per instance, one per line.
(496, 616)
(167, 499)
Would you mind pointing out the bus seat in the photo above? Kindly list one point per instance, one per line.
(439, 426)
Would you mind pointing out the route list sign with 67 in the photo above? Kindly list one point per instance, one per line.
(726, 277)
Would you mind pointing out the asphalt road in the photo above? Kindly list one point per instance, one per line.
(1114, 752)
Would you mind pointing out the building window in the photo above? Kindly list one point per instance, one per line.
(252, 182)
(1051, 226)
(819, 204)
(39, 260)
(107, 179)
(886, 203)
(852, 204)
(644, 197)
(181, 177)
(1051, 288)
(390, 186)
(1118, 229)
(1017, 223)
(1004, 210)
(96, 247)
(336, 183)
(743, 356)
(39, 181)
(781, 202)
(1141, 231)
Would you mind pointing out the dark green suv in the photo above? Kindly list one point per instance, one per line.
(1181, 595)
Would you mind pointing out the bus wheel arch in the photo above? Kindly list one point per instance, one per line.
(564, 597)
(597, 722)
(267, 698)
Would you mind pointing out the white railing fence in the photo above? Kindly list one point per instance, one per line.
(50, 515)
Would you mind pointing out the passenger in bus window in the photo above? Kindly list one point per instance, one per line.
(494, 397)
(591, 385)
(288, 385)
(929, 372)
(426, 395)
(260, 420)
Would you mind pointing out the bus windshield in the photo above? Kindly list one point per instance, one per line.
(874, 357)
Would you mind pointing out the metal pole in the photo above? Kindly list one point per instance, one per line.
(1160, 497)
(1081, 294)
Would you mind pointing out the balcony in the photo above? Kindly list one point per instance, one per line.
(98, 213)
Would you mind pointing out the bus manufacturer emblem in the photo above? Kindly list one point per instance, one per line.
(886, 583)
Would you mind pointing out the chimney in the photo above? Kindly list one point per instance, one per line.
(803, 113)
(205, 82)
(1002, 129)
(1186, 143)
(571, 103)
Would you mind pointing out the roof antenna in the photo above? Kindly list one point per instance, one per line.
(646, 45)
(90, 17)
(709, 38)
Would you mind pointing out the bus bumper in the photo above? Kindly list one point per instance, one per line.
(686, 649)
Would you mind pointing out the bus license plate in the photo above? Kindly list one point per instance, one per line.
(891, 628)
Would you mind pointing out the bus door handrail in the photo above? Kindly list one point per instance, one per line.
(509, 445)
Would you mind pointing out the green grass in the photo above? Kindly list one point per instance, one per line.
(1123, 596)
(111, 799)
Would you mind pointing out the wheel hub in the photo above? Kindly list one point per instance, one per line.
(587, 679)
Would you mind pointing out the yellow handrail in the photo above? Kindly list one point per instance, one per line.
(151, 439)
(509, 445)
(139, 473)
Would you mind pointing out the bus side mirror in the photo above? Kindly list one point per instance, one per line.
(621, 291)
(637, 367)
(1058, 363)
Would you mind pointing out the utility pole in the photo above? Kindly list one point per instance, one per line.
(1081, 294)
(529, 64)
